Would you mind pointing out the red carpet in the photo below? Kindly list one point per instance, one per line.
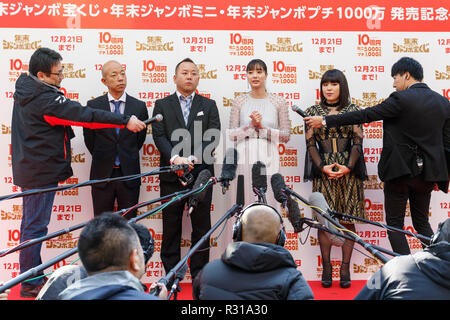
(333, 293)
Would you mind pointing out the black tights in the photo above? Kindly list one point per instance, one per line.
(325, 247)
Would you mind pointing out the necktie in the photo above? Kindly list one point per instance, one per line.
(117, 110)
(186, 107)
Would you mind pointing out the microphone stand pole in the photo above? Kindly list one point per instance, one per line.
(29, 243)
(261, 195)
(316, 225)
(43, 266)
(174, 272)
(92, 182)
(369, 247)
(348, 217)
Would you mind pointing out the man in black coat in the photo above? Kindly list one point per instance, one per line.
(416, 122)
(115, 152)
(188, 135)
(255, 266)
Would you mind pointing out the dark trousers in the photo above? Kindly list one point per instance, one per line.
(37, 210)
(172, 228)
(104, 196)
(396, 193)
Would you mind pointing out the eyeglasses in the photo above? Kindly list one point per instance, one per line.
(59, 74)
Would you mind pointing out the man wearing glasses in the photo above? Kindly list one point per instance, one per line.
(40, 146)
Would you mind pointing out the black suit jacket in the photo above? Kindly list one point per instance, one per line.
(104, 144)
(204, 115)
(415, 117)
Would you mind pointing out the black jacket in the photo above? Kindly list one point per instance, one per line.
(252, 271)
(104, 144)
(204, 115)
(424, 275)
(415, 118)
(41, 132)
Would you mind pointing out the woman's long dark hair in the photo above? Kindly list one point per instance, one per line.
(335, 75)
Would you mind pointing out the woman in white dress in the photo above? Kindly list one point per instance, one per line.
(259, 122)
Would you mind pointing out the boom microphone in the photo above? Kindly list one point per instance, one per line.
(317, 199)
(229, 168)
(259, 180)
(299, 111)
(294, 216)
(202, 178)
(157, 118)
(278, 185)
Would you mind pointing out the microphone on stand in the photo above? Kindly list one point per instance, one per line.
(294, 216)
(229, 168)
(202, 178)
(157, 118)
(259, 181)
(240, 195)
(318, 200)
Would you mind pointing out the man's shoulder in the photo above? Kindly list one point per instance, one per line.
(134, 100)
(95, 101)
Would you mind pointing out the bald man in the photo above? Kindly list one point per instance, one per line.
(115, 152)
(255, 266)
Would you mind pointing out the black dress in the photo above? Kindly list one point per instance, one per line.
(342, 145)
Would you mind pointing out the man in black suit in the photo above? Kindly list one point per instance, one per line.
(188, 135)
(114, 152)
(416, 122)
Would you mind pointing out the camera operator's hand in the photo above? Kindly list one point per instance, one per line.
(162, 292)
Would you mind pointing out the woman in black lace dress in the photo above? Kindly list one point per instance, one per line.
(335, 164)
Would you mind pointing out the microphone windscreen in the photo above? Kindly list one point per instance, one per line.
(259, 175)
(318, 200)
(202, 178)
(240, 196)
(229, 166)
(159, 117)
(277, 183)
(294, 215)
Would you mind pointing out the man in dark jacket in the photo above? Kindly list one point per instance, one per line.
(256, 268)
(113, 257)
(424, 275)
(40, 145)
(115, 152)
(416, 137)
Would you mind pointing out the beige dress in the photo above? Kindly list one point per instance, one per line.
(262, 145)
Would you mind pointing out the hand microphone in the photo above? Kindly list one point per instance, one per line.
(259, 180)
(157, 118)
(318, 200)
(229, 168)
(297, 109)
(187, 177)
(202, 178)
(294, 216)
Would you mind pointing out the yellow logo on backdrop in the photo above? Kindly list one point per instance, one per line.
(411, 45)
(154, 43)
(21, 42)
(445, 75)
(72, 73)
(369, 99)
(313, 75)
(284, 45)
